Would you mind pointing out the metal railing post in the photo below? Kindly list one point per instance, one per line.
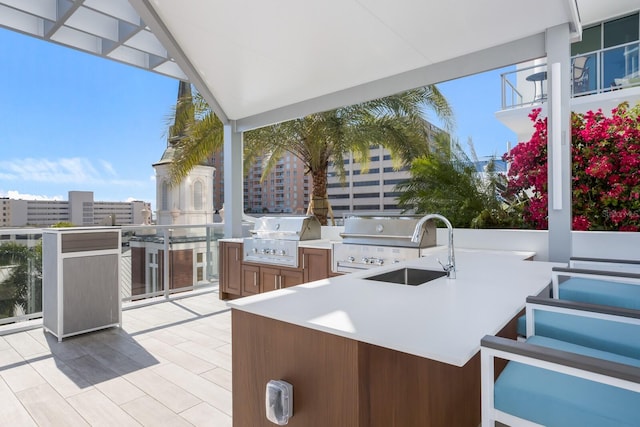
(166, 233)
(209, 260)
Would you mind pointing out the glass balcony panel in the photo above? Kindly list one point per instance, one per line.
(620, 66)
(161, 260)
(584, 74)
(595, 72)
(20, 275)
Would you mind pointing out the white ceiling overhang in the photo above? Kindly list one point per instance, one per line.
(259, 62)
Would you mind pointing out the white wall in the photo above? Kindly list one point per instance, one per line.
(606, 244)
(506, 240)
(594, 244)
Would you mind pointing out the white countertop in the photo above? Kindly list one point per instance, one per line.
(232, 239)
(317, 243)
(443, 320)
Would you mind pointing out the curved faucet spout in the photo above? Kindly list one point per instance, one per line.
(450, 267)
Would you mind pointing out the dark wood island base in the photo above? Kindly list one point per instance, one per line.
(346, 383)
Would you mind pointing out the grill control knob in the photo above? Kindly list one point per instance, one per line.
(255, 250)
(264, 251)
(365, 260)
(282, 252)
(396, 261)
(272, 251)
(351, 259)
(379, 261)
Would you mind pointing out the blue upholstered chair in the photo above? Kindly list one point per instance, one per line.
(614, 288)
(552, 382)
(619, 288)
(612, 329)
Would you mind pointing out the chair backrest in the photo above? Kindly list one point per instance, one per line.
(580, 67)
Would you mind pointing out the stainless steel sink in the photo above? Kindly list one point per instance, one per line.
(408, 276)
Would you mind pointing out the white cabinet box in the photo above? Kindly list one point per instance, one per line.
(80, 280)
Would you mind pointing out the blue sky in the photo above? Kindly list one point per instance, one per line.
(73, 121)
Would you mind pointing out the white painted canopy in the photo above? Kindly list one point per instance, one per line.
(259, 62)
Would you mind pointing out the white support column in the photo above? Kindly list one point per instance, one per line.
(558, 45)
(233, 175)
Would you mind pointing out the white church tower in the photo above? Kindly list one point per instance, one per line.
(190, 201)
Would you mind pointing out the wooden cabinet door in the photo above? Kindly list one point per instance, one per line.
(315, 264)
(250, 279)
(269, 279)
(231, 265)
(290, 277)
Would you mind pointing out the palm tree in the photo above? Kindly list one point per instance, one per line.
(318, 140)
(446, 181)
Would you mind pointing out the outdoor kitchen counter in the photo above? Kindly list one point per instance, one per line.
(317, 243)
(442, 320)
(232, 239)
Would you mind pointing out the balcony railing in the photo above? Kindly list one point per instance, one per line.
(594, 72)
(162, 260)
(156, 261)
(20, 274)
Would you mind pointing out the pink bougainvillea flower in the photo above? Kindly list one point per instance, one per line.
(580, 223)
(605, 152)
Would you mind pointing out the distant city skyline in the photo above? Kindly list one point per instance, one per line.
(73, 121)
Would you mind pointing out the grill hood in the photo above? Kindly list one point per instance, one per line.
(388, 231)
(287, 228)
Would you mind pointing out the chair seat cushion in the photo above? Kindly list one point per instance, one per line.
(601, 292)
(614, 337)
(554, 399)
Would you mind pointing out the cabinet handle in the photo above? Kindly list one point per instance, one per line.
(303, 261)
(255, 278)
(236, 254)
(280, 282)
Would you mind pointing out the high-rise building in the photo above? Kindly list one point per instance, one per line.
(285, 190)
(371, 189)
(80, 209)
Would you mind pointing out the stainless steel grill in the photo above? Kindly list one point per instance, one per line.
(372, 241)
(275, 239)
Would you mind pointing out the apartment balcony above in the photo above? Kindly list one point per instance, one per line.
(599, 79)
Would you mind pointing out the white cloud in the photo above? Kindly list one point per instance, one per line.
(108, 167)
(16, 195)
(73, 170)
(132, 199)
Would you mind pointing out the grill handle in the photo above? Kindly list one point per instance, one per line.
(377, 236)
(285, 232)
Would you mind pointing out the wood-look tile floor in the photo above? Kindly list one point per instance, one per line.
(169, 364)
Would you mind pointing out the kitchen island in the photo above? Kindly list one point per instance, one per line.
(365, 353)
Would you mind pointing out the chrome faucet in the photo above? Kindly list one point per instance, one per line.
(450, 266)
